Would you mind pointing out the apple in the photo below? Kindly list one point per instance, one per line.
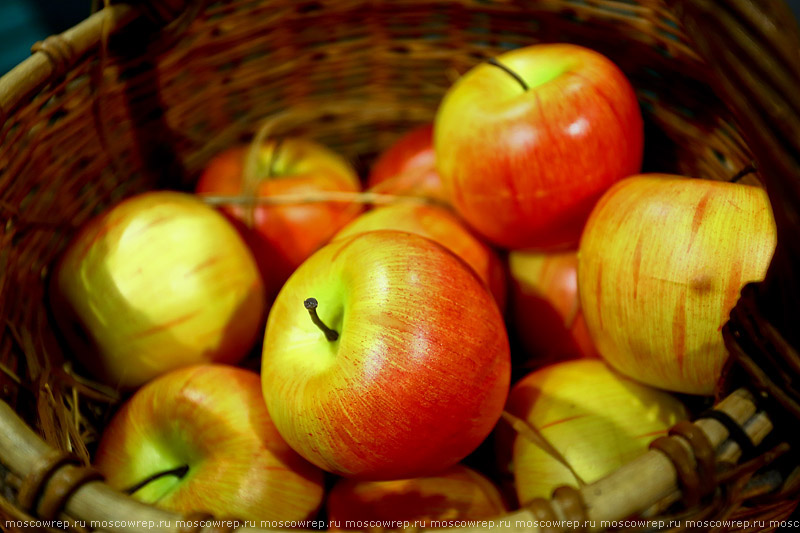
(458, 493)
(157, 282)
(283, 236)
(545, 307)
(661, 265)
(441, 225)
(385, 357)
(200, 439)
(408, 167)
(590, 418)
(526, 144)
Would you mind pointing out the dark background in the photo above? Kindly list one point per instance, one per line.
(23, 22)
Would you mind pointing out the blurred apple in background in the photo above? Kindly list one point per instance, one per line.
(595, 419)
(458, 493)
(408, 167)
(157, 282)
(524, 154)
(546, 309)
(441, 225)
(662, 262)
(200, 439)
(402, 369)
(283, 236)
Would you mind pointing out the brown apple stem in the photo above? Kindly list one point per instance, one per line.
(496, 63)
(746, 171)
(179, 472)
(311, 304)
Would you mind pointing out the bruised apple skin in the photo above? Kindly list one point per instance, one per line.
(283, 236)
(661, 264)
(443, 226)
(458, 493)
(413, 347)
(210, 423)
(525, 151)
(157, 282)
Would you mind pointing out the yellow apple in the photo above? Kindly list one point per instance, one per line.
(595, 419)
(661, 264)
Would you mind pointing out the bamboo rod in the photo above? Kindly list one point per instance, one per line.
(630, 490)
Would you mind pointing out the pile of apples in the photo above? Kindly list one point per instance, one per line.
(386, 356)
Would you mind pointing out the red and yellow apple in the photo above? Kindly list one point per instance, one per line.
(283, 236)
(401, 370)
(458, 493)
(546, 309)
(526, 150)
(592, 420)
(408, 167)
(661, 264)
(200, 439)
(157, 282)
(441, 225)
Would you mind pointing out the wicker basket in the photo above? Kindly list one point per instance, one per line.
(141, 96)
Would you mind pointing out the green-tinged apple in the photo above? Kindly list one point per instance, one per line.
(385, 357)
(527, 143)
(458, 493)
(283, 236)
(200, 439)
(408, 167)
(661, 265)
(546, 309)
(441, 225)
(157, 282)
(579, 418)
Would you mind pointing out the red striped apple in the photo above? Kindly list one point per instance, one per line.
(283, 236)
(441, 225)
(408, 167)
(200, 439)
(526, 146)
(593, 420)
(458, 493)
(385, 357)
(546, 307)
(157, 282)
(662, 262)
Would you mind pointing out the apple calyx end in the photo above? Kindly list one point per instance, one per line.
(494, 62)
(311, 305)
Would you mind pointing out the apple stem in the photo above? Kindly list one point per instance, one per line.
(311, 304)
(496, 63)
(749, 169)
(179, 472)
(274, 157)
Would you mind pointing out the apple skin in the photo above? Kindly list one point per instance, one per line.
(441, 225)
(408, 167)
(598, 421)
(545, 307)
(458, 493)
(661, 264)
(283, 236)
(525, 167)
(157, 282)
(419, 374)
(211, 418)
